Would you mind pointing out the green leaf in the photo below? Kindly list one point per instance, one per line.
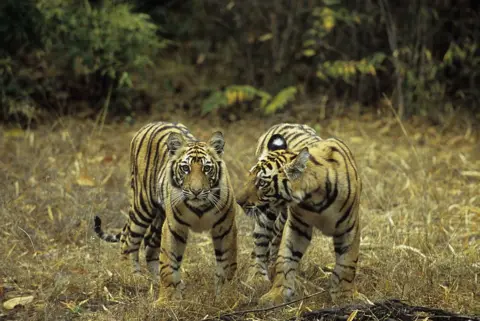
(309, 52)
(280, 100)
(265, 37)
(125, 80)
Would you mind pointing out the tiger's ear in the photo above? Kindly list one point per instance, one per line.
(276, 142)
(217, 142)
(174, 142)
(296, 168)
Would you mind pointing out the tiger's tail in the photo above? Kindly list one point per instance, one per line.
(97, 227)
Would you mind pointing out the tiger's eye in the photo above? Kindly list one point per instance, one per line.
(207, 168)
(262, 183)
(185, 168)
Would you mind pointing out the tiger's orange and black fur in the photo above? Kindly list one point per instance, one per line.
(299, 182)
(177, 184)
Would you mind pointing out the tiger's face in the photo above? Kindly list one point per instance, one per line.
(270, 181)
(196, 167)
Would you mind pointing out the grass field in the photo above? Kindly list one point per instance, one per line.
(420, 221)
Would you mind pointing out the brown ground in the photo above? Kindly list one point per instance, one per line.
(420, 216)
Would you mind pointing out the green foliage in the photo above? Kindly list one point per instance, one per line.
(422, 54)
(280, 100)
(466, 55)
(21, 30)
(323, 22)
(106, 41)
(359, 50)
(21, 26)
(346, 70)
(237, 94)
(216, 100)
(71, 49)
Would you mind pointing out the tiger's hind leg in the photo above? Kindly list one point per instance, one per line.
(133, 235)
(296, 238)
(347, 246)
(152, 241)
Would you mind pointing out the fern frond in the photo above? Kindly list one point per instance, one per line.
(280, 100)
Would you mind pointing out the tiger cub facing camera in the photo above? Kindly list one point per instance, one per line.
(301, 181)
(177, 184)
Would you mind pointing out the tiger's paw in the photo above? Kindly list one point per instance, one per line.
(342, 292)
(277, 295)
(223, 289)
(219, 282)
(257, 279)
(256, 275)
(341, 296)
(271, 270)
(153, 270)
(169, 294)
(231, 271)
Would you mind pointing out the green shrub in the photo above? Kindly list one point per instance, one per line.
(237, 94)
(21, 26)
(101, 42)
(78, 51)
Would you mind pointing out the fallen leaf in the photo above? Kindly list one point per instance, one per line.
(108, 159)
(356, 140)
(84, 180)
(79, 271)
(50, 213)
(12, 303)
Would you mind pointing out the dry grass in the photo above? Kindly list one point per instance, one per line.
(420, 216)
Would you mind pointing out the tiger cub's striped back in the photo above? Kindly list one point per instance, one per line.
(297, 137)
(177, 184)
(299, 182)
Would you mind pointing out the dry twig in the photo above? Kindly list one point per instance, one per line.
(228, 316)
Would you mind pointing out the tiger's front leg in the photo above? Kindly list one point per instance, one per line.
(152, 241)
(224, 236)
(174, 241)
(276, 240)
(296, 238)
(347, 246)
(262, 235)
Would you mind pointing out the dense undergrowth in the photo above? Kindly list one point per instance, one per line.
(128, 57)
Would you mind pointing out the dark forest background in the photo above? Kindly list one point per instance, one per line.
(129, 57)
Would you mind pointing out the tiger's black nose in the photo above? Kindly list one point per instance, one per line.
(196, 192)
